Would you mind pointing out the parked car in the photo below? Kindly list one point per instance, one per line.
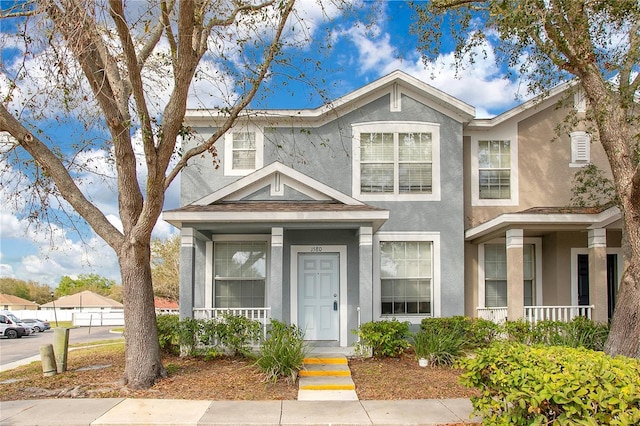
(14, 319)
(10, 328)
(36, 324)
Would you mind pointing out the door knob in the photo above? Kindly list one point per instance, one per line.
(335, 305)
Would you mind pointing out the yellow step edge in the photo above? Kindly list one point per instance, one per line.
(325, 361)
(328, 387)
(309, 373)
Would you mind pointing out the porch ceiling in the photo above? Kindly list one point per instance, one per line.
(545, 219)
(319, 214)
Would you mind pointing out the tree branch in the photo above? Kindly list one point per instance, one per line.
(274, 48)
(51, 164)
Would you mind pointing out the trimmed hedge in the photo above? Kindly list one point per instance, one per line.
(524, 385)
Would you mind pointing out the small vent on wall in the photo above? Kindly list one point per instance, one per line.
(277, 188)
(396, 98)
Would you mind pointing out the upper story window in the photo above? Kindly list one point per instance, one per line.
(396, 161)
(243, 151)
(494, 177)
(494, 169)
(580, 149)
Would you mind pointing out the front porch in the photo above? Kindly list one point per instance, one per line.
(534, 314)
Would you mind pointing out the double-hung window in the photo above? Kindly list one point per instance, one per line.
(243, 151)
(406, 277)
(396, 161)
(495, 275)
(494, 169)
(240, 274)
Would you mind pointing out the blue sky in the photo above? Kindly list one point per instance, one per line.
(358, 55)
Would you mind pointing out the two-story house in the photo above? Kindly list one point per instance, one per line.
(392, 202)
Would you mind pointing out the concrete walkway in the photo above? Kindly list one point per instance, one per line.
(151, 412)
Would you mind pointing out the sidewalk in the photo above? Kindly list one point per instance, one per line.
(129, 411)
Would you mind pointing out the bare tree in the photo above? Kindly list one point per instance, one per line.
(124, 71)
(598, 44)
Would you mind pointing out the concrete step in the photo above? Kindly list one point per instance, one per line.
(326, 377)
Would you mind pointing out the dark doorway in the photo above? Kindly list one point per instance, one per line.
(583, 279)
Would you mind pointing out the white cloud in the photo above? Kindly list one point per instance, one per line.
(481, 84)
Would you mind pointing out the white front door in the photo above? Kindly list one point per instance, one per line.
(319, 295)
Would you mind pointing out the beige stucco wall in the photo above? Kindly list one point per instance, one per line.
(543, 165)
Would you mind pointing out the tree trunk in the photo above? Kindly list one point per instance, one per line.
(142, 350)
(624, 337)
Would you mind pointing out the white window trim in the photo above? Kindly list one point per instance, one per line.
(434, 238)
(574, 269)
(210, 288)
(537, 247)
(396, 127)
(228, 150)
(511, 136)
(577, 138)
(293, 294)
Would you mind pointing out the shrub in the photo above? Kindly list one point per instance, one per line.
(283, 351)
(542, 385)
(168, 333)
(580, 332)
(384, 338)
(235, 333)
(438, 345)
(474, 332)
(483, 332)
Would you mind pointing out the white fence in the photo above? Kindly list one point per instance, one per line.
(98, 319)
(533, 314)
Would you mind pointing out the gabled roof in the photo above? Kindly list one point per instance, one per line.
(276, 175)
(524, 109)
(231, 204)
(395, 83)
(84, 299)
(11, 300)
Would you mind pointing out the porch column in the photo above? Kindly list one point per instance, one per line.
(515, 274)
(365, 288)
(598, 274)
(275, 279)
(187, 271)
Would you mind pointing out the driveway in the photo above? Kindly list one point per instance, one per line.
(14, 350)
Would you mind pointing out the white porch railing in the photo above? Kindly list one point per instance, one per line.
(497, 315)
(262, 315)
(533, 314)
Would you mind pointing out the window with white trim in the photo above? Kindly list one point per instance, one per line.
(243, 151)
(396, 161)
(494, 169)
(580, 149)
(495, 275)
(239, 274)
(406, 277)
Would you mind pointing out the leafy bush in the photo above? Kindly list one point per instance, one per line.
(168, 333)
(438, 345)
(474, 332)
(235, 333)
(483, 332)
(384, 338)
(283, 351)
(524, 385)
(580, 332)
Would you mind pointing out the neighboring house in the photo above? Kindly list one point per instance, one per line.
(381, 206)
(85, 301)
(165, 306)
(15, 303)
(525, 249)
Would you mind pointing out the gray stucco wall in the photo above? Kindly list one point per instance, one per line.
(325, 154)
